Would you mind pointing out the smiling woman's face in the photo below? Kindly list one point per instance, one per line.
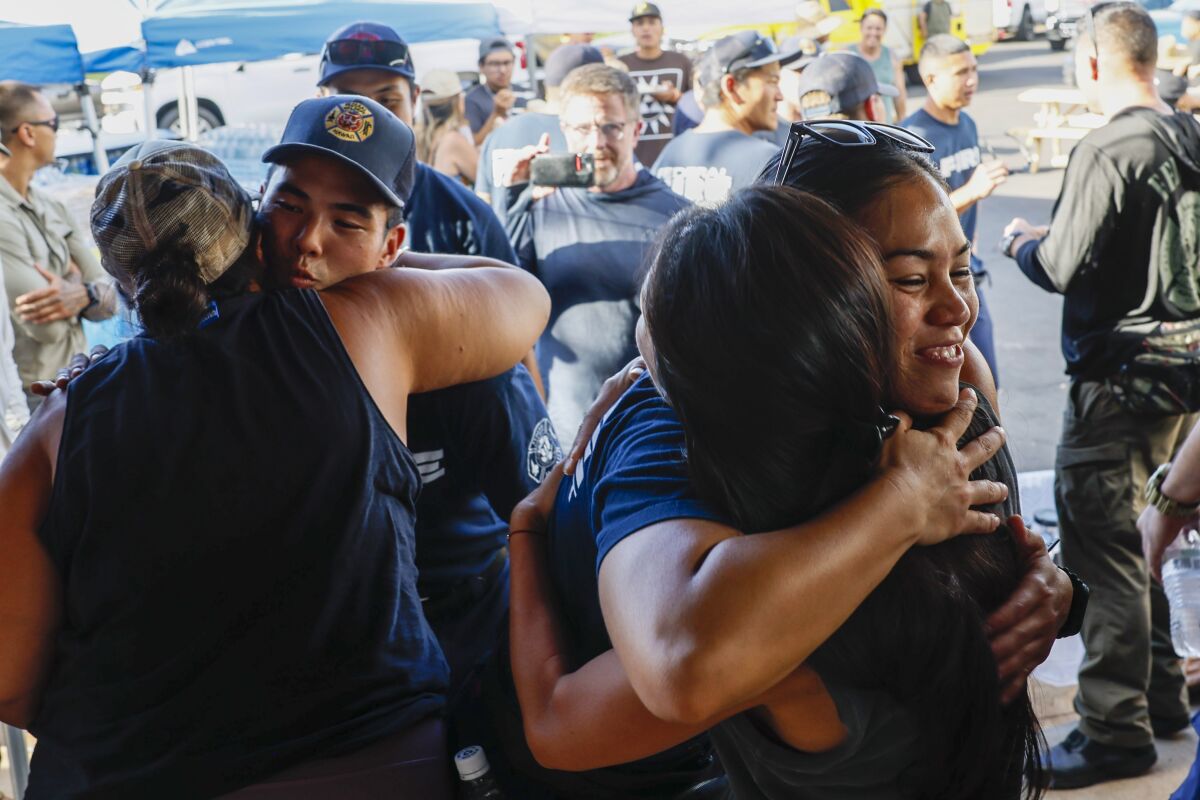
(926, 258)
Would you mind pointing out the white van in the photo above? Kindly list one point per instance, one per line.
(1016, 19)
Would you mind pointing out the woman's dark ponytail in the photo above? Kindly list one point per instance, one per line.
(170, 297)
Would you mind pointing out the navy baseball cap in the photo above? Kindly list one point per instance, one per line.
(567, 57)
(747, 50)
(366, 45)
(359, 132)
(846, 78)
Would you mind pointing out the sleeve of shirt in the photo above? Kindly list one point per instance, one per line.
(521, 446)
(92, 272)
(477, 115)
(645, 482)
(1083, 219)
(519, 225)
(20, 278)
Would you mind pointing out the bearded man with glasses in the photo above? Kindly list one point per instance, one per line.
(50, 275)
(588, 245)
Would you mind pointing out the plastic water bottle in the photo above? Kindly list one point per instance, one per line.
(476, 775)
(1181, 580)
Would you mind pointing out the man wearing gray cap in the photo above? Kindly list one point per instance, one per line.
(503, 146)
(739, 79)
(491, 101)
(842, 86)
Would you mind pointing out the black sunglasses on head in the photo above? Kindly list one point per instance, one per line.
(846, 133)
(375, 53)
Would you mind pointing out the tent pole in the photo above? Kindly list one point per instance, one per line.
(189, 107)
(531, 64)
(150, 124)
(92, 123)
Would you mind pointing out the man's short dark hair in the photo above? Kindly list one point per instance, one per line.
(942, 45)
(16, 99)
(1127, 30)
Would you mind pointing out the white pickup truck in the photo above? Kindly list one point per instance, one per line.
(1016, 19)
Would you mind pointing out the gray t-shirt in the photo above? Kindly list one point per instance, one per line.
(881, 742)
(708, 167)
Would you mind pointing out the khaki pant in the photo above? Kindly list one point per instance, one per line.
(1130, 670)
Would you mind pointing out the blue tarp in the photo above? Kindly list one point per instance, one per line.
(130, 59)
(39, 54)
(190, 32)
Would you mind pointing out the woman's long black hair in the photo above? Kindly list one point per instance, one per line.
(770, 321)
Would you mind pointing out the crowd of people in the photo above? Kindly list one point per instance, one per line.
(315, 529)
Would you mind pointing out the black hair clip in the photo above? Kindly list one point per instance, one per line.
(868, 437)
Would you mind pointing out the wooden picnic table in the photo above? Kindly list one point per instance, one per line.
(1061, 117)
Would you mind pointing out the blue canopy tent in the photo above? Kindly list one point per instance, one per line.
(39, 54)
(181, 33)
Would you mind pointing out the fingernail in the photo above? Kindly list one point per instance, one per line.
(636, 372)
(569, 466)
(1002, 431)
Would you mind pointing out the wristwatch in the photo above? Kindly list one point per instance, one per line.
(1007, 242)
(1155, 497)
(93, 297)
(1079, 600)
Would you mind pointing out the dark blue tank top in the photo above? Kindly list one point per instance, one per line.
(232, 519)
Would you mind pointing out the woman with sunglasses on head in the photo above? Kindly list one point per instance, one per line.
(208, 540)
(706, 621)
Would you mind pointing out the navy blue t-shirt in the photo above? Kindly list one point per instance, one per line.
(589, 250)
(480, 448)
(956, 155)
(443, 216)
(633, 474)
(708, 167)
(501, 145)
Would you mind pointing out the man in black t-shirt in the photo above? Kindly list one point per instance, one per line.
(662, 77)
(1121, 248)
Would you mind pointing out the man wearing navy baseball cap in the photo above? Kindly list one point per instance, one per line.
(491, 101)
(842, 86)
(373, 60)
(332, 209)
(739, 82)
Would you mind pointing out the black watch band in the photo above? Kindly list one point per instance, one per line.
(1079, 601)
(1007, 242)
(93, 297)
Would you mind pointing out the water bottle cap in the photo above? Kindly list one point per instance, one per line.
(471, 763)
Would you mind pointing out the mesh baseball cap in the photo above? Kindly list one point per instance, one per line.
(567, 57)
(366, 45)
(357, 131)
(440, 84)
(845, 78)
(492, 44)
(164, 192)
(644, 10)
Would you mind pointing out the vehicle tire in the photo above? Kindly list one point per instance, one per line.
(1025, 29)
(912, 76)
(210, 117)
(1058, 45)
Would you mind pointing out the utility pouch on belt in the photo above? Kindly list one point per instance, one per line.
(1163, 378)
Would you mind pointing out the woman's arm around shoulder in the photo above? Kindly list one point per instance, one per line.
(30, 589)
(412, 330)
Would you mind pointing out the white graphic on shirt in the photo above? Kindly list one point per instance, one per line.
(704, 186)
(544, 451)
(965, 159)
(655, 114)
(429, 464)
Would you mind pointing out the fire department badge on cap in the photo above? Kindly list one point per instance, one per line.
(350, 122)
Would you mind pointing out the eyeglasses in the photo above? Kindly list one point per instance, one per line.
(846, 133)
(52, 124)
(506, 64)
(611, 131)
(370, 52)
